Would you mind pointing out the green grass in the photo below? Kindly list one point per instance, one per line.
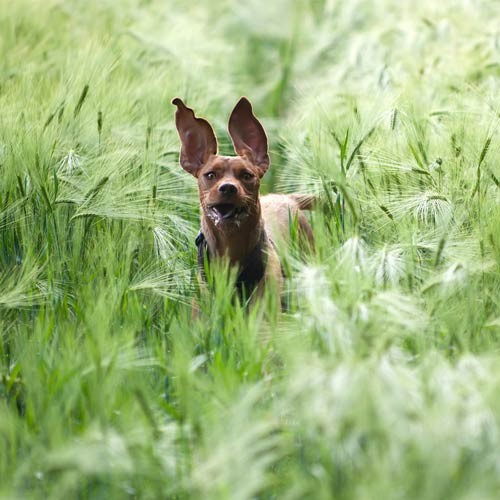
(382, 378)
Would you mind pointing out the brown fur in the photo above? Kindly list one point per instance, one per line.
(234, 215)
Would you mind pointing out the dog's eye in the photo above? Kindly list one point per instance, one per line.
(210, 176)
(247, 176)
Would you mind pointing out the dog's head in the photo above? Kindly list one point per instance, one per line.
(228, 185)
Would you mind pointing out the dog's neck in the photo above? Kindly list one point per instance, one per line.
(235, 242)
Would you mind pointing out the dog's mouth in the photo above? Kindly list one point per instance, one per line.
(222, 212)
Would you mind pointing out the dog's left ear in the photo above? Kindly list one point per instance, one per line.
(248, 136)
(197, 138)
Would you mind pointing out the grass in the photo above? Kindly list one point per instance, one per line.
(382, 378)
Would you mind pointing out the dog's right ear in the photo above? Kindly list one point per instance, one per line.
(197, 138)
(248, 135)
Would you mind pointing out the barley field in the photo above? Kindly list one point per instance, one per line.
(381, 378)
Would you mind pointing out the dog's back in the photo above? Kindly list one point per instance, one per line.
(280, 210)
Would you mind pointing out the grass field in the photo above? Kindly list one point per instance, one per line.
(380, 381)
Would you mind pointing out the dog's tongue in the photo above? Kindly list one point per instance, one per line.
(225, 211)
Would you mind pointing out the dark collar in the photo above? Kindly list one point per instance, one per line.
(252, 269)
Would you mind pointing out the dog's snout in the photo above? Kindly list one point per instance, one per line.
(228, 189)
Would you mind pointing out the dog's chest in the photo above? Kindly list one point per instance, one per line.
(251, 270)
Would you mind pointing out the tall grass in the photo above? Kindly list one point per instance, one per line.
(380, 380)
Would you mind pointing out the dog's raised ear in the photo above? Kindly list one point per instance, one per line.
(197, 138)
(249, 138)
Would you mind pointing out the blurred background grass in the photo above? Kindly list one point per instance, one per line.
(382, 378)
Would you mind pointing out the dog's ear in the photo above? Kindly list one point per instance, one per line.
(249, 138)
(197, 138)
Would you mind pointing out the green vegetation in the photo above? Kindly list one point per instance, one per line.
(380, 381)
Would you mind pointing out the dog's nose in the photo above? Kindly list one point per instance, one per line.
(227, 189)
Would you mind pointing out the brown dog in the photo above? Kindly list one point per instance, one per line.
(236, 223)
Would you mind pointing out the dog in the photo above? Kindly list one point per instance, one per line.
(236, 222)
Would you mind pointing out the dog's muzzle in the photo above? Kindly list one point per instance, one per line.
(221, 213)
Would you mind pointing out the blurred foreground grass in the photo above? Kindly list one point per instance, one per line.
(382, 379)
